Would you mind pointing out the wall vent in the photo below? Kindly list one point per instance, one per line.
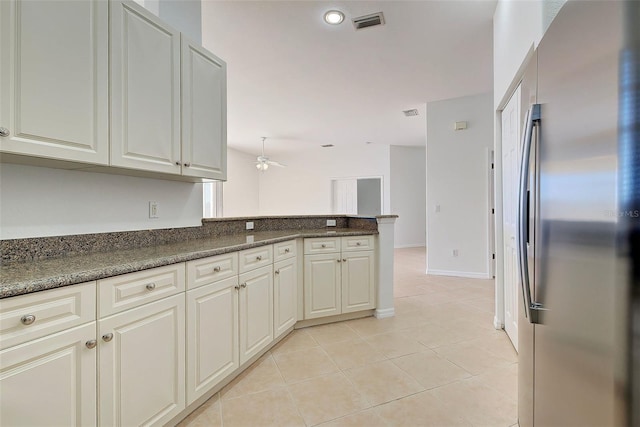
(410, 113)
(368, 20)
(326, 145)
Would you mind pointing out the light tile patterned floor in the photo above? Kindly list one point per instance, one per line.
(438, 362)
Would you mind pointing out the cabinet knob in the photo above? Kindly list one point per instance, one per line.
(358, 244)
(91, 344)
(151, 286)
(216, 269)
(27, 319)
(323, 245)
(244, 285)
(344, 260)
(286, 251)
(177, 163)
(339, 260)
(277, 271)
(237, 287)
(4, 131)
(107, 337)
(259, 258)
(186, 165)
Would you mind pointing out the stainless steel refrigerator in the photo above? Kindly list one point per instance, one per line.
(579, 216)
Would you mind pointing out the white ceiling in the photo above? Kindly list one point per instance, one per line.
(301, 82)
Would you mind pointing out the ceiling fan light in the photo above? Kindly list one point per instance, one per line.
(333, 17)
(262, 166)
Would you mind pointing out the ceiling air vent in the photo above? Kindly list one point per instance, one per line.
(368, 20)
(410, 113)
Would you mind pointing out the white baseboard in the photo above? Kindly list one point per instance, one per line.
(497, 323)
(466, 274)
(416, 245)
(385, 312)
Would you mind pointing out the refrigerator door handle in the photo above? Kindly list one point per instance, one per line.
(532, 115)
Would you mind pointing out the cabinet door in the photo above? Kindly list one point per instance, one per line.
(358, 281)
(285, 298)
(204, 112)
(256, 311)
(322, 296)
(212, 335)
(145, 90)
(50, 381)
(54, 94)
(142, 364)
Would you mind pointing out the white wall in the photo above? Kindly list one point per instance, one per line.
(408, 195)
(38, 202)
(458, 170)
(240, 192)
(304, 186)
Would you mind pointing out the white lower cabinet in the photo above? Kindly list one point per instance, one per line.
(256, 311)
(285, 295)
(142, 365)
(212, 335)
(337, 278)
(322, 285)
(50, 381)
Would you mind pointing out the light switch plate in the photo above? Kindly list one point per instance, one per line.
(249, 225)
(154, 209)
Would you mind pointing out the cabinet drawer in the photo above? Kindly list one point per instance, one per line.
(284, 250)
(208, 270)
(321, 245)
(251, 259)
(131, 290)
(357, 243)
(27, 317)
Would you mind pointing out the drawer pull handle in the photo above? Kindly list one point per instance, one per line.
(107, 337)
(244, 285)
(91, 344)
(216, 269)
(323, 245)
(27, 319)
(286, 251)
(237, 287)
(259, 258)
(277, 271)
(151, 286)
(358, 244)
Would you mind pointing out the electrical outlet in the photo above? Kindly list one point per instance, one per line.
(249, 225)
(455, 252)
(331, 223)
(154, 209)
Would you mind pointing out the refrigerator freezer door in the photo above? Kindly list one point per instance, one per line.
(575, 262)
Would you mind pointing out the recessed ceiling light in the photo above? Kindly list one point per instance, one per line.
(333, 17)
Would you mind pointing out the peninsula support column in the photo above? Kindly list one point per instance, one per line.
(384, 307)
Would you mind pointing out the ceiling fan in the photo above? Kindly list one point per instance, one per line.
(263, 162)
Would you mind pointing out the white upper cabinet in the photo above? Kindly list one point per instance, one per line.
(54, 83)
(145, 90)
(204, 113)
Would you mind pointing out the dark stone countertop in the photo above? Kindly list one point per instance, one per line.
(20, 278)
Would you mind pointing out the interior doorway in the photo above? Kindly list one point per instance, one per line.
(357, 196)
(511, 153)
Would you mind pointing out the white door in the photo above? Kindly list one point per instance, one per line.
(345, 196)
(358, 282)
(510, 174)
(141, 364)
(285, 298)
(145, 90)
(54, 93)
(212, 335)
(256, 311)
(322, 285)
(204, 112)
(50, 381)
